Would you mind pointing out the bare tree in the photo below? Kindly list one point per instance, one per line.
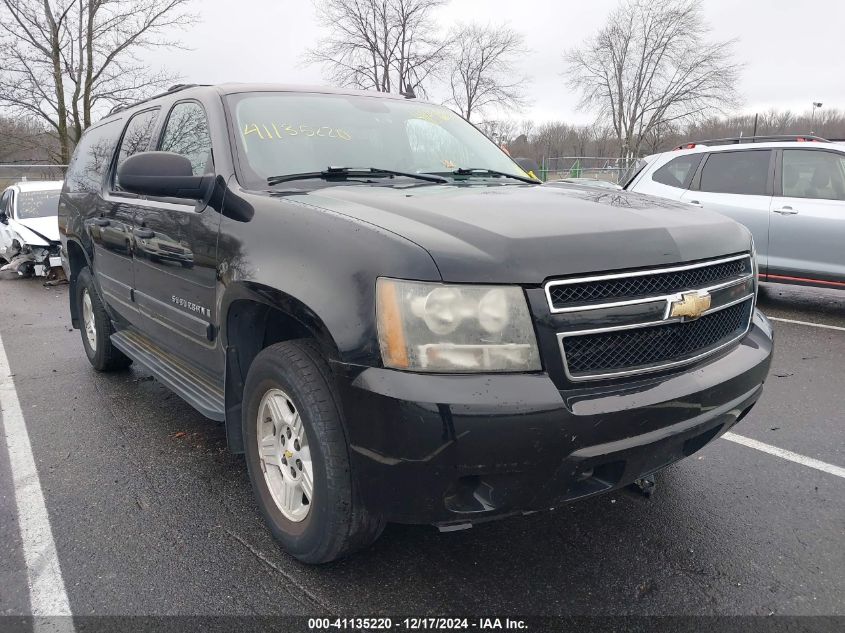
(652, 64)
(67, 60)
(383, 45)
(483, 71)
(556, 144)
(24, 141)
(500, 131)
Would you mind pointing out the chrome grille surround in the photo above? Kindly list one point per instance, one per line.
(551, 285)
(721, 289)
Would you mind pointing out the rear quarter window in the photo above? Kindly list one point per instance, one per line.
(678, 172)
(92, 158)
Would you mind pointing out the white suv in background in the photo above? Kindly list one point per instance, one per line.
(789, 191)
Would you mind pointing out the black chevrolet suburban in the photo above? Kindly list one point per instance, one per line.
(392, 319)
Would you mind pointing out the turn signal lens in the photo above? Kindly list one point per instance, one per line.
(394, 351)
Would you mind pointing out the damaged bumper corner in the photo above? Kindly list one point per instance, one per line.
(28, 261)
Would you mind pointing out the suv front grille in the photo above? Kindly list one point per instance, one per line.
(663, 345)
(629, 316)
(578, 293)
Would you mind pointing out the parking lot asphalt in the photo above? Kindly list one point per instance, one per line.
(151, 515)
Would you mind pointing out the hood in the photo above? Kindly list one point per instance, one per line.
(526, 234)
(34, 231)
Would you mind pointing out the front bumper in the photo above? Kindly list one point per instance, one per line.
(33, 260)
(451, 450)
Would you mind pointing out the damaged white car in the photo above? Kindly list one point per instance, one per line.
(29, 229)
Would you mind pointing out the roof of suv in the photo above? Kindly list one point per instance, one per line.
(693, 148)
(756, 141)
(236, 88)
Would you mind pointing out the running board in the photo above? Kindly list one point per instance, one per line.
(194, 387)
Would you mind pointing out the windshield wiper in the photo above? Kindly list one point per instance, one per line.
(471, 171)
(342, 173)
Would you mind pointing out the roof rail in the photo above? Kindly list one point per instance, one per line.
(171, 90)
(798, 138)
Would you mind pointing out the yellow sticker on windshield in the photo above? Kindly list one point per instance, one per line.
(279, 131)
(434, 116)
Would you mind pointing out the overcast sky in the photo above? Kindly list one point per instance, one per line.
(793, 49)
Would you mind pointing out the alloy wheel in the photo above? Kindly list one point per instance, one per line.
(285, 455)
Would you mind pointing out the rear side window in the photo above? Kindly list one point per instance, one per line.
(678, 172)
(813, 174)
(137, 136)
(187, 134)
(92, 158)
(743, 172)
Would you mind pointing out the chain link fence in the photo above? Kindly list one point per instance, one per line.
(606, 168)
(11, 173)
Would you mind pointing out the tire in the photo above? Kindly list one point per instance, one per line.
(102, 355)
(335, 523)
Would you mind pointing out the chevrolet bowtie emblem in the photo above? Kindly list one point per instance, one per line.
(691, 305)
(288, 454)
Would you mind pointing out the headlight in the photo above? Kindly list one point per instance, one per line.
(454, 328)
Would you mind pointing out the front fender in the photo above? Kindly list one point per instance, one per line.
(317, 265)
(276, 299)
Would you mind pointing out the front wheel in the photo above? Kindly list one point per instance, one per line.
(298, 458)
(96, 327)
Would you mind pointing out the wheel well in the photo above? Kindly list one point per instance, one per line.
(77, 261)
(252, 326)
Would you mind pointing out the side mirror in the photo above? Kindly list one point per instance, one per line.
(162, 174)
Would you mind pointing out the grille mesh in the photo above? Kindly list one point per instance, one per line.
(631, 349)
(608, 290)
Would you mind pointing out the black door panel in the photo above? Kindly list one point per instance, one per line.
(175, 279)
(175, 262)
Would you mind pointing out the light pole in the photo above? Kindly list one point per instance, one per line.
(816, 104)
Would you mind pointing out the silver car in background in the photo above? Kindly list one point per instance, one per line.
(789, 191)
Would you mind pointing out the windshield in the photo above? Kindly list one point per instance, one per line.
(294, 133)
(37, 204)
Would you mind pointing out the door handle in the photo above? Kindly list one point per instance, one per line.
(102, 221)
(787, 210)
(144, 234)
(695, 203)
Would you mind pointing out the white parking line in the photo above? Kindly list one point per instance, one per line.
(47, 594)
(811, 324)
(788, 455)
